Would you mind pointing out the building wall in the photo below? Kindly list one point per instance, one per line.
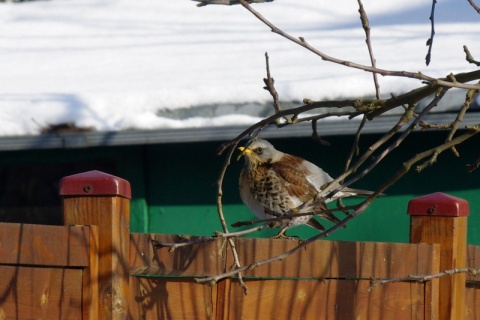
(174, 185)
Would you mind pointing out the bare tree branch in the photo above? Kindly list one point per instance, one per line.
(302, 42)
(366, 162)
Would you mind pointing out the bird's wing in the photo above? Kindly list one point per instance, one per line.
(320, 178)
(294, 177)
(316, 176)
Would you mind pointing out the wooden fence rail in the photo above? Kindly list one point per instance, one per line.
(94, 268)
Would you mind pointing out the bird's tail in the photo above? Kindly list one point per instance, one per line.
(315, 224)
(327, 215)
(349, 192)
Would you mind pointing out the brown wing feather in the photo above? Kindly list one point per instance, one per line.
(294, 174)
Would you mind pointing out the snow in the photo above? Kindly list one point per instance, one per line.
(113, 64)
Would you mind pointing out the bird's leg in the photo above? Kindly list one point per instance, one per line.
(274, 224)
(282, 235)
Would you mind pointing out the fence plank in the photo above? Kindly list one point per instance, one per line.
(190, 261)
(169, 298)
(90, 292)
(40, 293)
(44, 245)
(320, 259)
(329, 299)
(310, 283)
(473, 261)
(472, 292)
(337, 259)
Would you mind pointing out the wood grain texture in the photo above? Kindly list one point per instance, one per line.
(321, 259)
(44, 245)
(451, 234)
(329, 299)
(326, 280)
(337, 259)
(473, 261)
(40, 293)
(472, 292)
(111, 216)
(190, 261)
(168, 298)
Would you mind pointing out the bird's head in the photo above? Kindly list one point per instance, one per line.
(260, 151)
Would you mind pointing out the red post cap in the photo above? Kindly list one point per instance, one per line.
(438, 204)
(94, 183)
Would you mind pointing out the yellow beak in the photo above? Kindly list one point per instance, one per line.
(243, 149)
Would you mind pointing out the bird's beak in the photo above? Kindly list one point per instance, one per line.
(243, 150)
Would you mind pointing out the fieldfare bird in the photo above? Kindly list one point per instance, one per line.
(273, 183)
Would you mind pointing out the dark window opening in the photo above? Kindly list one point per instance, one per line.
(29, 193)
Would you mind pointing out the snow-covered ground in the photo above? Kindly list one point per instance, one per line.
(113, 64)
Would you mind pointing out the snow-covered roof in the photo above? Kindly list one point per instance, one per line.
(121, 66)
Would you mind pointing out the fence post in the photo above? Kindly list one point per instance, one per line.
(97, 198)
(441, 218)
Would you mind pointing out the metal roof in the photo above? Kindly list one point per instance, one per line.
(142, 137)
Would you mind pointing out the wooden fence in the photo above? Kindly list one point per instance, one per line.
(93, 268)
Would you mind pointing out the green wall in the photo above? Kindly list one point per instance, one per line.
(174, 185)
(181, 187)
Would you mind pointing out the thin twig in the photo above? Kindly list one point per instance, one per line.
(366, 28)
(270, 87)
(355, 149)
(292, 215)
(221, 216)
(226, 2)
(199, 240)
(316, 136)
(469, 56)
(474, 6)
(175, 245)
(473, 166)
(432, 33)
(422, 278)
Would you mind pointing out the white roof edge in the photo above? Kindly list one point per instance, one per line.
(203, 134)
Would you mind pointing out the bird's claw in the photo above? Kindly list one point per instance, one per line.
(282, 235)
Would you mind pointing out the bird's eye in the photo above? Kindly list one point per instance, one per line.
(259, 150)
